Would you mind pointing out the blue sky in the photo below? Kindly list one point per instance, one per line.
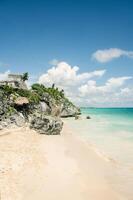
(33, 33)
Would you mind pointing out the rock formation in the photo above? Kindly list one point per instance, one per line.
(46, 124)
(88, 117)
(39, 107)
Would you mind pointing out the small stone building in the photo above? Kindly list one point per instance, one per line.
(14, 80)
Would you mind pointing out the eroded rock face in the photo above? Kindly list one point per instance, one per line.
(9, 116)
(70, 111)
(42, 107)
(46, 124)
(4, 103)
(43, 116)
(18, 119)
(63, 109)
(15, 120)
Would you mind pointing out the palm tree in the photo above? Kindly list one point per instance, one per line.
(25, 76)
(53, 85)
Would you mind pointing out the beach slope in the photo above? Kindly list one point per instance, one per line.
(61, 167)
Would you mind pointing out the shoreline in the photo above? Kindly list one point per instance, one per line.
(93, 147)
(35, 166)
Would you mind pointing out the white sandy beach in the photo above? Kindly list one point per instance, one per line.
(38, 167)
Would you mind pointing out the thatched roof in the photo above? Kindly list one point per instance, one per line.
(21, 101)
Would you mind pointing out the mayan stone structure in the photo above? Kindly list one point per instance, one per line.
(14, 80)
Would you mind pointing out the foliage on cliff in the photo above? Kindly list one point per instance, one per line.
(40, 106)
(36, 94)
(53, 91)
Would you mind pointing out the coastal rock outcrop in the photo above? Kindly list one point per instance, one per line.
(88, 117)
(15, 120)
(46, 124)
(56, 104)
(5, 103)
(40, 107)
(71, 111)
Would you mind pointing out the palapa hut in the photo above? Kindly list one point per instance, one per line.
(20, 101)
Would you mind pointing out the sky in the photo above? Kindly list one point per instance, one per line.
(83, 46)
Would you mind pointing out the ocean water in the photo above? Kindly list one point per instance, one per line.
(110, 133)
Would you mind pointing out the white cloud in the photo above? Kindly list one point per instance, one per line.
(82, 88)
(4, 76)
(111, 93)
(125, 91)
(110, 86)
(64, 75)
(113, 83)
(107, 55)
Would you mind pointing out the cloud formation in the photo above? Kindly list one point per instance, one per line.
(112, 85)
(82, 88)
(107, 55)
(112, 93)
(4, 75)
(65, 75)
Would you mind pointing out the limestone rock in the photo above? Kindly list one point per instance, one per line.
(15, 120)
(70, 111)
(18, 119)
(46, 124)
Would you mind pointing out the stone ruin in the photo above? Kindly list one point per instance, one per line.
(14, 80)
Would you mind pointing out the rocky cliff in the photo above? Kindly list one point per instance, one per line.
(40, 108)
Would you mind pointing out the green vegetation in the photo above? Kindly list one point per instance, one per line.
(53, 91)
(10, 111)
(32, 96)
(39, 89)
(39, 104)
(35, 94)
(8, 90)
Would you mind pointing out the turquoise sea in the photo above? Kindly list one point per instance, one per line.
(119, 118)
(110, 133)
